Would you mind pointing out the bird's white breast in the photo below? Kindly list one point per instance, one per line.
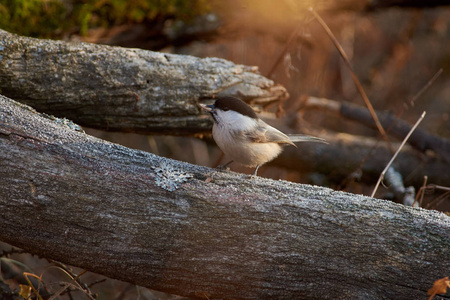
(229, 135)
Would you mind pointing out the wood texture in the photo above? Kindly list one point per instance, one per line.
(192, 231)
(123, 89)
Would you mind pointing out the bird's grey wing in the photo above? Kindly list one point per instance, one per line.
(257, 135)
(275, 136)
(264, 133)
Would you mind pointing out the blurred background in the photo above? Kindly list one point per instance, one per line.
(399, 50)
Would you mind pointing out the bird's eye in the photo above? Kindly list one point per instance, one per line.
(225, 109)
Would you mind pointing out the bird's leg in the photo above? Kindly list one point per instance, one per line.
(224, 167)
(254, 173)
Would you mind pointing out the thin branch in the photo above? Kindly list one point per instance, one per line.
(421, 191)
(435, 202)
(35, 290)
(354, 77)
(397, 152)
(440, 187)
(413, 99)
(425, 87)
(421, 140)
(285, 49)
(75, 277)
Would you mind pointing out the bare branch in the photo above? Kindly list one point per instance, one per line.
(420, 139)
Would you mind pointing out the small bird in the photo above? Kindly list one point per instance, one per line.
(244, 137)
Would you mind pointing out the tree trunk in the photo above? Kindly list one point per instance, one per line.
(123, 89)
(193, 231)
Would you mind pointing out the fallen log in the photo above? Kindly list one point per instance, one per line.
(122, 89)
(196, 232)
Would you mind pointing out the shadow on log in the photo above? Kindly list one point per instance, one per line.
(192, 231)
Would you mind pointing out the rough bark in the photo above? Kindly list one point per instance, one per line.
(190, 230)
(123, 89)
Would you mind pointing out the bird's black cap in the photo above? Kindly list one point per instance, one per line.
(233, 103)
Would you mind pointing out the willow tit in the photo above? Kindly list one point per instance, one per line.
(244, 137)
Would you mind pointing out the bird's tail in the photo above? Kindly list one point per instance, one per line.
(297, 138)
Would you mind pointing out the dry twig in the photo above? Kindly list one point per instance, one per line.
(421, 191)
(413, 99)
(397, 152)
(354, 77)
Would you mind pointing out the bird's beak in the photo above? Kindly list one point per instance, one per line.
(208, 108)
